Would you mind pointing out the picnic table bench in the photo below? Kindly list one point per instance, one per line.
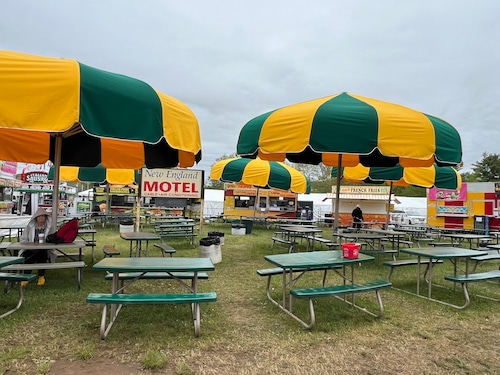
(483, 258)
(471, 278)
(49, 266)
(409, 262)
(9, 277)
(165, 249)
(289, 243)
(342, 290)
(133, 276)
(379, 252)
(157, 299)
(324, 241)
(270, 272)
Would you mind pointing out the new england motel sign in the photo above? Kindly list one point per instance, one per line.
(172, 183)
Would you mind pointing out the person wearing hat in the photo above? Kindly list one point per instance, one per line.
(357, 217)
(40, 223)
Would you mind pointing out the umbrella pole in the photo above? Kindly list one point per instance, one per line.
(138, 204)
(202, 215)
(337, 197)
(55, 194)
(388, 208)
(255, 203)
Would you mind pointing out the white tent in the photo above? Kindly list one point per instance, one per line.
(411, 204)
(213, 205)
(89, 194)
(320, 206)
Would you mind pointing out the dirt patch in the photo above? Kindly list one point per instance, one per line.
(97, 367)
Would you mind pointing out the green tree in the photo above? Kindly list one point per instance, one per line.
(469, 177)
(488, 168)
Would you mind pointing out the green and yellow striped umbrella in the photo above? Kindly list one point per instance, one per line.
(261, 174)
(347, 130)
(426, 177)
(75, 115)
(101, 117)
(97, 174)
(359, 129)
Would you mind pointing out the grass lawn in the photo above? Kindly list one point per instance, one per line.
(243, 333)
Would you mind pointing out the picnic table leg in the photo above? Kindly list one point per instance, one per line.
(429, 292)
(418, 275)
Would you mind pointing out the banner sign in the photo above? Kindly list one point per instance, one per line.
(114, 190)
(362, 190)
(249, 190)
(173, 183)
(449, 195)
(461, 211)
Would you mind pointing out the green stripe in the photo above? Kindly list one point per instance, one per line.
(279, 177)
(234, 170)
(386, 174)
(248, 141)
(345, 124)
(446, 178)
(447, 139)
(97, 174)
(117, 106)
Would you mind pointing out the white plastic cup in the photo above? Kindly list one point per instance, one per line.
(41, 237)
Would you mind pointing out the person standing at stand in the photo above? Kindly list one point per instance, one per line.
(357, 217)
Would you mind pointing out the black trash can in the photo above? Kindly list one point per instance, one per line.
(126, 225)
(210, 248)
(248, 225)
(219, 235)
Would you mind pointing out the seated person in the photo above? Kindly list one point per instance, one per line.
(40, 223)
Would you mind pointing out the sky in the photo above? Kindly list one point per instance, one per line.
(231, 61)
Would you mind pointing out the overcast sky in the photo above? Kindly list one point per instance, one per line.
(230, 61)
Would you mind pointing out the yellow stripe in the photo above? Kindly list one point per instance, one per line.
(401, 128)
(298, 119)
(38, 93)
(420, 176)
(256, 173)
(120, 176)
(180, 126)
(298, 183)
(218, 168)
(358, 173)
(69, 174)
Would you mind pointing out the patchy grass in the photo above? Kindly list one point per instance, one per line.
(243, 333)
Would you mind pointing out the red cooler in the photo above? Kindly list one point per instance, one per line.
(350, 250)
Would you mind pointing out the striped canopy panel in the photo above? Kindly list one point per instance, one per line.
(427, 177)
(97, 174)
(104, 118)
(261, 173)
(363, 130)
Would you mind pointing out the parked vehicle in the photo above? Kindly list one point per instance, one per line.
(401, 217)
